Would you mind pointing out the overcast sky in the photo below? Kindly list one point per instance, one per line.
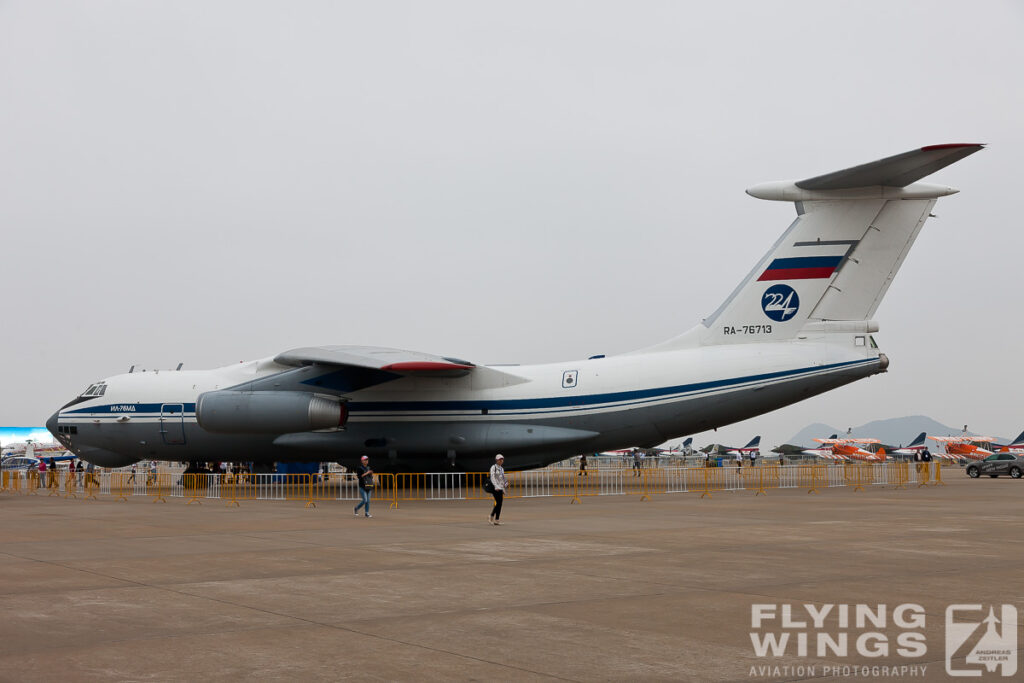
(206, 182)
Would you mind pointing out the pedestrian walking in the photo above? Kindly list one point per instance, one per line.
(364, 475)
(583, 465)
(636, 463)
(499, 483)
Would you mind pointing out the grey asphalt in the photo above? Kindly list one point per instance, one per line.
(614, 588)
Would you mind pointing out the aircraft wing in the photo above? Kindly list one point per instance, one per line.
(398, 361)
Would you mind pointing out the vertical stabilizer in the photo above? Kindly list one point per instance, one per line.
(830, 269)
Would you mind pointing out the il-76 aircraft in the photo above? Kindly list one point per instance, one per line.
(799, 324)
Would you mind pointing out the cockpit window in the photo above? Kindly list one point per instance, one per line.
(94, 390)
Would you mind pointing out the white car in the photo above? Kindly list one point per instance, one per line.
(19, 462)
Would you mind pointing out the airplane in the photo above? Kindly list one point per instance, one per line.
(916, 446)
(684, 448)
(961, 447)
(32, 449)
(792, 449)
(847, 449)
(753, 447)
(798, 325)
(1015, 446)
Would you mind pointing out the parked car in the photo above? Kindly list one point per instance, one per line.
(20, 462)
(996, 464)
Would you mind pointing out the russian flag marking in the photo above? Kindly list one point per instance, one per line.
(801, 268)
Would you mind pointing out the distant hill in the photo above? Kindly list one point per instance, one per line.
(895, 431)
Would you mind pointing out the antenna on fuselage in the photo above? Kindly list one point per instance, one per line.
(131, 369)
(179, 366)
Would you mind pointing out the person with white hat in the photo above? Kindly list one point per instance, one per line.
(499, 483)
(364, 475)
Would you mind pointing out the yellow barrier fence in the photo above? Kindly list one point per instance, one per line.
(392, 489)
(70, 485)
(899, 474)
(923, 472)
(121, 485)
(159, 486)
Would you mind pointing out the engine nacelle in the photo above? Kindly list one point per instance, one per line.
(267, 412)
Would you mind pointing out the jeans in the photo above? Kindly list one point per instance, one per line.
(498, 497)
(364, 494)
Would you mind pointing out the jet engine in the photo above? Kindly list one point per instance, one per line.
(268, 412)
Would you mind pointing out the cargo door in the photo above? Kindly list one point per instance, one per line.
(172, 423)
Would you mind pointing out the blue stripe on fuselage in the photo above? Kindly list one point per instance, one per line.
(586, 400)
(553, 403)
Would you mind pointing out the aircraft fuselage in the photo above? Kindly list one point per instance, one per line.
(533, 414)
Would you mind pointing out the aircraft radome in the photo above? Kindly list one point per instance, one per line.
(799, 324)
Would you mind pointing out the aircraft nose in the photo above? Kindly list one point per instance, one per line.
(51, 424)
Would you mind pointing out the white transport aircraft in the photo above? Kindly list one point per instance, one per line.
(799, 324)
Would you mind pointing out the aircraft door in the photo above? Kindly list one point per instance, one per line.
(172, 423)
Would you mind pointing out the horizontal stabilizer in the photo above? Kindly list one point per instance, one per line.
(895, 171)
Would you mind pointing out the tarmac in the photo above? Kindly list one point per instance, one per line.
(614, 588)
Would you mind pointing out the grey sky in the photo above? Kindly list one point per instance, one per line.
(215, 181)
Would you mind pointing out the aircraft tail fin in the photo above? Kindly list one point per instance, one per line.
(754, 443)
(830, 269)
(917, 441)
(1018, 442)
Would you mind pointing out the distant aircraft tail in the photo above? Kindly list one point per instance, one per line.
(919, 441)
(1018, 442)
(754, 443)
(829, 271)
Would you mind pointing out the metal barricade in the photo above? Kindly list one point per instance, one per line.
(120, 485)
(923, 474)
(159, 486)
(32, 484)
(90, 485)
(70, 485)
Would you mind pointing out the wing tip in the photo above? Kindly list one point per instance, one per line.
(953, 145)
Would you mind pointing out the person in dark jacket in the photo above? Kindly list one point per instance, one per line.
(364, 476)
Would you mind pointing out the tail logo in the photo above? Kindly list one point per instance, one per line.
(780, 302)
